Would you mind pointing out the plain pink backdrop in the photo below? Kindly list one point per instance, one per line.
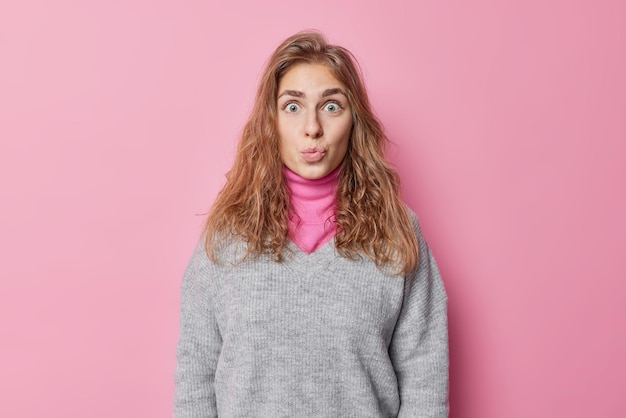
(118, 120)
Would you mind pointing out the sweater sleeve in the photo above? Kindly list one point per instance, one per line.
(199, 343)
(419, 345)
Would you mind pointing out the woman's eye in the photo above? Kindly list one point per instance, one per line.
(292, 107)
(332, 107)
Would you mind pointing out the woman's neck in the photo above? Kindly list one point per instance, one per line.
(312, 212)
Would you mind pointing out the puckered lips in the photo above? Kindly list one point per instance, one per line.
(313, 154)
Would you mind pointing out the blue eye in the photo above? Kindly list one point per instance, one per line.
(332, 107)
(292, 107)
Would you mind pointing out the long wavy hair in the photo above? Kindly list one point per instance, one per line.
(254, 204)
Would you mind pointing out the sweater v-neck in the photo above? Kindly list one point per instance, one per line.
(309, 264)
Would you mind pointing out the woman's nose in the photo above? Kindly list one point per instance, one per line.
(313, 128)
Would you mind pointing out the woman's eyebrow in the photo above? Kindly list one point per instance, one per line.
(294, 93)
(330, 92)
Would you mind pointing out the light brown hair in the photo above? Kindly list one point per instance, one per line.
(253, 206)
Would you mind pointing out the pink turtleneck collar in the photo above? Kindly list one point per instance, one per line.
(312, 215)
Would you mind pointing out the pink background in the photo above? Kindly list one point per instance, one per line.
(118, 120)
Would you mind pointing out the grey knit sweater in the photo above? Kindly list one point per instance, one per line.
(315, 336)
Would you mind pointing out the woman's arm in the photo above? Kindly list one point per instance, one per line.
(419, 346)
(199, 343)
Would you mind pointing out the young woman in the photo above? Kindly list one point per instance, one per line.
(313, 292)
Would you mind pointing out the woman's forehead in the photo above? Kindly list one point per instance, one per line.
(309, 77)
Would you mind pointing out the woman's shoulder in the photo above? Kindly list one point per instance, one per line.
(415, 220)
(227, 251)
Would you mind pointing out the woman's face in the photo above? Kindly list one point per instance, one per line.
(314, 120)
